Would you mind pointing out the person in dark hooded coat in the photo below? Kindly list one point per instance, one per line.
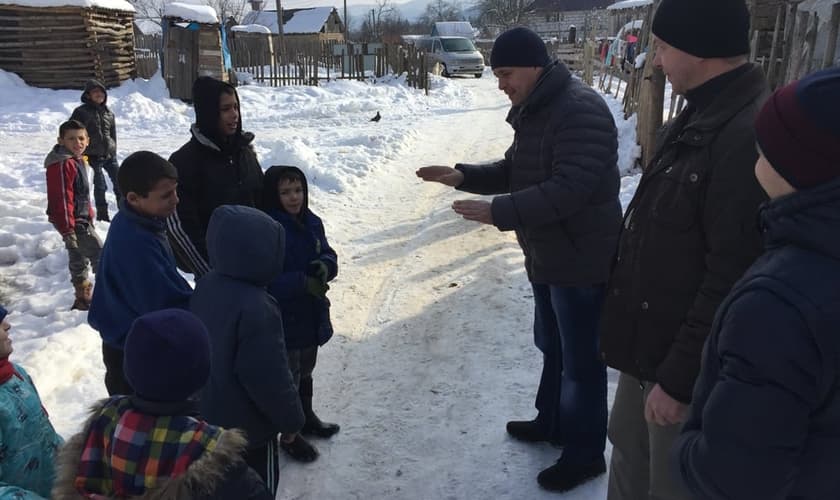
(102, 150)
(216, 167)
(301, 292)
(765, 419)
(250, 385)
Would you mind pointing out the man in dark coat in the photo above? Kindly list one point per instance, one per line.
(216, 167)
(765, 419)
(102, 150)
(558, 189)
(688, 234)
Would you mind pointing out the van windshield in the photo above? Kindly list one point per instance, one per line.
(457, 45)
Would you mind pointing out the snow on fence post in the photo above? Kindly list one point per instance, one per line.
(774, 47)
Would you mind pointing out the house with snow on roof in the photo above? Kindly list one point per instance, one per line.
(556, 19)
(317, 24)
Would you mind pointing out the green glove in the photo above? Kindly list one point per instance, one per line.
(71, 241)
(316, 287)
(318, 269)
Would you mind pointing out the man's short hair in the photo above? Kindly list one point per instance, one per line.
(142, 170)
(70, 125)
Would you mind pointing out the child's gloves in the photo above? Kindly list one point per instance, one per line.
(316, 287)
(71, 241)
(317, 269)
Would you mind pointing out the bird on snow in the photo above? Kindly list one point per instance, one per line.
(376, 118)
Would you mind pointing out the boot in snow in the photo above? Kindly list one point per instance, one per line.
(300, 449)
(314, 426)
(102, 214)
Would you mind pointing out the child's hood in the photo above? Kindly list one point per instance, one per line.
(90, 85)
(58, 154)
(245, 244)
(270, 198)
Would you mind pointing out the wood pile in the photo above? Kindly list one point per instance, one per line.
(63, 47)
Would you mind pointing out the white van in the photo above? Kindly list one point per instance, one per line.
(456, 55)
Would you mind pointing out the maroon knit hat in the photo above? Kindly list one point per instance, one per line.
(798, 129)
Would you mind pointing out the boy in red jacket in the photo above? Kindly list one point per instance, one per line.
(68, 207)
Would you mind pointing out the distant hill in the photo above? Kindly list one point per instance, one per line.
(411, 10)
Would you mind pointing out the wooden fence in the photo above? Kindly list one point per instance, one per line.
(642, 90)
(147, 54)
(312, 62)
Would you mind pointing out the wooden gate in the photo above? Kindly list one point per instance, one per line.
(180, 62)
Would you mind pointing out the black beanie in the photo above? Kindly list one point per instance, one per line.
(519, 47)
(704, 28)
(206, 92)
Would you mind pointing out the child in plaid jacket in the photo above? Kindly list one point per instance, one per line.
(152, 445)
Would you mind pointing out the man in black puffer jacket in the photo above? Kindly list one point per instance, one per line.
(102, 150)
(216, 167)
(558, 189)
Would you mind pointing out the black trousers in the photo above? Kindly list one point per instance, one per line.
(115, 380)
(263, 459)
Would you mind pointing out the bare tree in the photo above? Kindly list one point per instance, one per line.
(153, 9)
(440, 10)
(503, 13)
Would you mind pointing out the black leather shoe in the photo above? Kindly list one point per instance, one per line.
(564, 476)
(315, 427)
(527, 430)
(300, 449)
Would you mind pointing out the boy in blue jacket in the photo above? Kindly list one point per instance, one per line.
(28, 442)
(765, 417)
(301, 291)
(137, 272)
(250, 386)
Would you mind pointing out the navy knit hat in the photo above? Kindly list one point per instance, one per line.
(3, 313)
(704, 28)
(798, 130)
(519, 47)
(167, 355)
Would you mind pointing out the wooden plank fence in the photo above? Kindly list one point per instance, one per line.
(310, 63)
(147, 54)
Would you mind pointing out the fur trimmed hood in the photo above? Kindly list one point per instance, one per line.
(201, 478)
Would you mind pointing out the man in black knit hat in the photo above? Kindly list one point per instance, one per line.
(216, 167)
(557, 187)
(689, 233)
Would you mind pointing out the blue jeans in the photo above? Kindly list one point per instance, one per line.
(99, 186)
(572, 397)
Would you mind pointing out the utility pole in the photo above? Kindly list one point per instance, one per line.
(346, 37)
(280, 27)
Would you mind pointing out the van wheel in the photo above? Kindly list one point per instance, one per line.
(445, 73)
(478, 75)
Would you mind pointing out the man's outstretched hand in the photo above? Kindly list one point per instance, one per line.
(476, 210)
(438, 173)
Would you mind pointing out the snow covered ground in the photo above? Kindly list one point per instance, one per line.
(433, 351)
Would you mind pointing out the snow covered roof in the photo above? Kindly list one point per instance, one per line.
(191, 12)
(102, 4)
(629, 4)
(307, 20)
(251, 28)
(453, 28)
(295, 21)
(566, 5)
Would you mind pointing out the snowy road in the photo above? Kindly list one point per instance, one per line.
(437, 354)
